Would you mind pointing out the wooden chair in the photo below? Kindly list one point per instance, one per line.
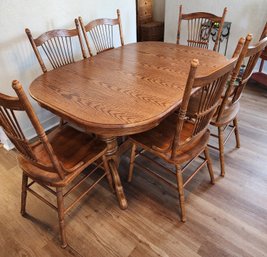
(182, 137)
(229, 107)
(200, 25)
(54, 160)
(56, 45)
(101, 33)
(260, 76)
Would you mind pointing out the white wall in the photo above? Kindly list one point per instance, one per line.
(247, 16)
(16, 55)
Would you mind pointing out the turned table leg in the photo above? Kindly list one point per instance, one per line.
(113, 162)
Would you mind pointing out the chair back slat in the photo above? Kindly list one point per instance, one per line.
(101, 32)
(12, 128)
(253, 54)
(199, 28)
(264, 32)
(59, 51)
(102, 36)
(57, 45)
(210, 88)
(240, 78)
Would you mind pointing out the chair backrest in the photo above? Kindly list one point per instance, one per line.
(231, 90)
(210, 88)
(8, 107)
(263, 35)
(264, 32)
(253, 53)
(239, 77)
(200, 26)
(101, 33)
(57, 45)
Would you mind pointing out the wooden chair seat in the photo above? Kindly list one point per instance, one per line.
(83, 150)
(229, 114)
(162, 137)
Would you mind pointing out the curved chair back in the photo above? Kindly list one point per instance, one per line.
(101, 33)
(57, 46)
(239, 77)
(210, 88)
(8, 106)
(200, 26)
(264, 32)
(253, 53)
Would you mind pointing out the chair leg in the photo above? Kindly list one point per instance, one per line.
(62, 122)
(236, 133)
(221, 149)
(261, 65)
(24, 194)
(130, 175)
(108, 174)
(60, 209)
(180, 185)
(209, 164)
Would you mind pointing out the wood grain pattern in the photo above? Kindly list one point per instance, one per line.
(123, 91)
(227, 219)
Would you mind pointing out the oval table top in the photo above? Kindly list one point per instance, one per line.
(122, 91)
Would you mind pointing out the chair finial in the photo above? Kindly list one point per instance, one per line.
(16, 85)
(194, 63)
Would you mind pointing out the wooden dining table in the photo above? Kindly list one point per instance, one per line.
(122, 91)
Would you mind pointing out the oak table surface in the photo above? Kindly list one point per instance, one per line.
(122, 91)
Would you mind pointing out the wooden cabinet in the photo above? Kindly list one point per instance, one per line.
(144, 11)
(147, 28)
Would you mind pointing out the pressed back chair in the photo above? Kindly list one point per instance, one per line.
(183, 136)
(101, 32)
(54, 160)
(199, 28)
(229, 108)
